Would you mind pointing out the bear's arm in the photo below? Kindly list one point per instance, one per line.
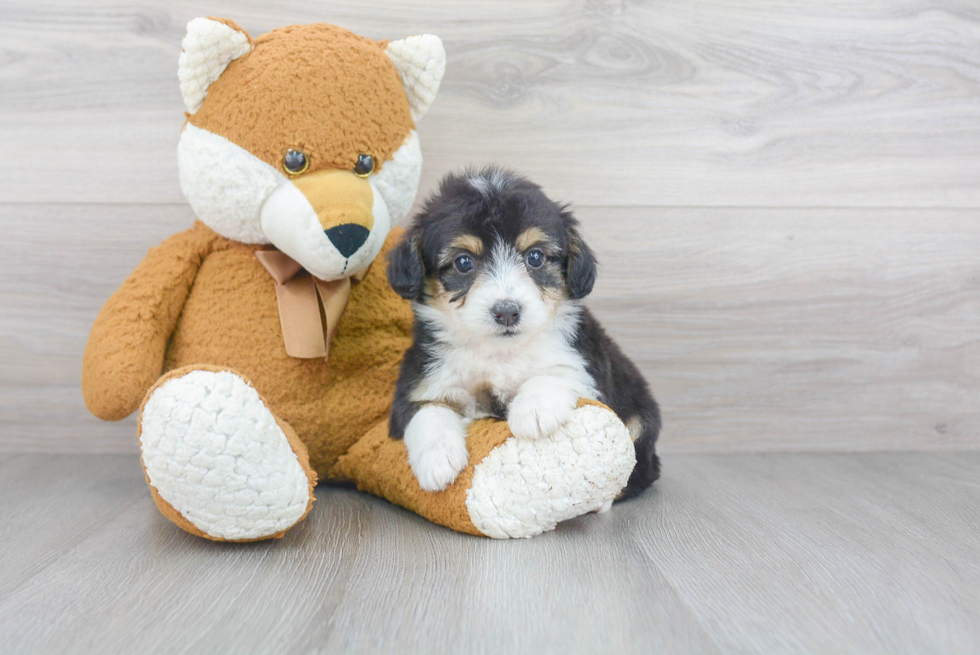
(126, 347)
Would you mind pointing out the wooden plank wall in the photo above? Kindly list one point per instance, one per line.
(784, 196)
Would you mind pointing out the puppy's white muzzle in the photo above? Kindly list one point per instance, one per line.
(507, 303)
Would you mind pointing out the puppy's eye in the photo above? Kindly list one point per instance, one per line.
(364, 165)
(534, 258)
(463, 263)
(295, 162)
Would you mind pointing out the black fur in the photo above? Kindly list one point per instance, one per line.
(405, 270)
(503, 212)
(580, 268)
(623, 388)
(412, 370)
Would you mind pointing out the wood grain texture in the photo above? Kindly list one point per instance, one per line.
(870, 553)
(715, 103)
(809, 553)
(783, 198)
(759, 329)
(859, 334)
(49, 506)
(791, 329)
(64, 264)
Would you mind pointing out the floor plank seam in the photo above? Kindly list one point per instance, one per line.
(678, 596)
(94, 529)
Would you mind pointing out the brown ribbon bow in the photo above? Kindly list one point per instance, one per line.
(309, 308)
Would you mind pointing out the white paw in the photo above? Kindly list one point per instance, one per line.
(526, 487)
(436, 442)
(606, 506)
(214, 451)
(538, 410)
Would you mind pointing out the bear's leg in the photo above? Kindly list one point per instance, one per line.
(219, 463)
(511, 487)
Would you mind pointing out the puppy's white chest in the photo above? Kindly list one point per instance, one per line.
(500, 373)
(476, 381)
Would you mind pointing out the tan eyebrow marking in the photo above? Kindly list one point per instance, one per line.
(468, 242)
(530, 237)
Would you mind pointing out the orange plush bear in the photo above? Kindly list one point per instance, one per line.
(261, 346)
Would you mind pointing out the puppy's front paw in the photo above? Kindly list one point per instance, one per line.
(537, 411)
(436, 442)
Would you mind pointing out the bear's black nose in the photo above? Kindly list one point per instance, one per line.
(348, 237)
(506, 312)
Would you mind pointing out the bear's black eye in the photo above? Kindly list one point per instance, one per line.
(534, 258)
(463, 263)
(364, 165)
(295, 162)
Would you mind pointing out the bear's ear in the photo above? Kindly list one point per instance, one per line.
(421, 63)
(209, 45)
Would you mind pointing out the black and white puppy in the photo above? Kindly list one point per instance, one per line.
(496, 272)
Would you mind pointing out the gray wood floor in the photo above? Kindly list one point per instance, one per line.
(765, 553)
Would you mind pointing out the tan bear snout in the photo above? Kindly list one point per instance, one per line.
(343, 203)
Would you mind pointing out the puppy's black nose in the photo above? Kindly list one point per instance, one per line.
(348, 237)
(506, 312)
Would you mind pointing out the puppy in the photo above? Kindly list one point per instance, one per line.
(496, 273)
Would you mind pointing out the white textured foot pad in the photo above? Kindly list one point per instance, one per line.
(215, 453)
(526, 487)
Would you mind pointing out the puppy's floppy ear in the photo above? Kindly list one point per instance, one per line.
(580, 271)
(406, 272)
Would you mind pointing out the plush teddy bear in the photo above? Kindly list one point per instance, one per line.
(261, 346)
